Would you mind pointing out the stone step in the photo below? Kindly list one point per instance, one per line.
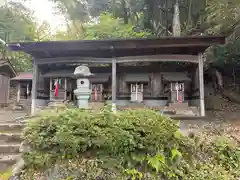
(7, 161)
(178, 105)
(11, 127)
(57, 102)
(10, 138)
(195, 110)
(9, 148)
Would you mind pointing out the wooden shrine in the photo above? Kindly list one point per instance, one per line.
(149, 81)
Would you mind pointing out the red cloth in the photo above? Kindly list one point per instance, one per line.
(56, 89)
(179, 98)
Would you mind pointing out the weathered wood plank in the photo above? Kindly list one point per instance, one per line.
(150, 58)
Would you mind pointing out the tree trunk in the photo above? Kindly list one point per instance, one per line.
(234, 97)
(234, 76)
(125, 11)
(189, 18)
(219, 79)
(176, 20)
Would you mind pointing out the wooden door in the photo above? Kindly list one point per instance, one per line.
(137, 92)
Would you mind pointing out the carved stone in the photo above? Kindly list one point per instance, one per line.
(82, 71)
(19, 166)
(83, 90)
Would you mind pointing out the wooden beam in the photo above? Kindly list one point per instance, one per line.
(159, 58)
(149, 58)
(201, 85)
(71, 60)
(155, 45)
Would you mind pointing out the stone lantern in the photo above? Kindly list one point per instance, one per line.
(83, 91)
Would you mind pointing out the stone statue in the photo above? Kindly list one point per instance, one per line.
(83, 91)
(19, 166)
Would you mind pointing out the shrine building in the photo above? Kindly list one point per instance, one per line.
(156, 73)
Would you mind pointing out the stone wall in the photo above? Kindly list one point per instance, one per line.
(13, 93)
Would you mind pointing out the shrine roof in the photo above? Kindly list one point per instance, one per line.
(23, 76)
(117, 48)
(6, 68)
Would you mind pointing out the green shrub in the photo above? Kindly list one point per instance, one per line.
(140, 144)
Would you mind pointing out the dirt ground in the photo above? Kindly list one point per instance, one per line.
(222, 121)
(222, 115)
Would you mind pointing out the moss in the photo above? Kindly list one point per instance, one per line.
(6, 175)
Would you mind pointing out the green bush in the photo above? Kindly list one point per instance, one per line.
(140, 144)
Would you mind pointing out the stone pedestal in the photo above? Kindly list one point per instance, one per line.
(82, 97)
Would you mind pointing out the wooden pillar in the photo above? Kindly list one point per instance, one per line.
(65, 89)
(114, 84)
(196, 79)
(8, 91)
(50, 89)
(18, 91)
(201, 84)
(27, 89)
(34, 88)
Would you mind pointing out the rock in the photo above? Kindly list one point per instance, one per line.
(17, 169)
(24, 147)
(14, 178)
(17, 107)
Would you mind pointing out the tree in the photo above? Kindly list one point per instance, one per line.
(17, 24)
(110, 28)
(17, 21)
(74, 31)
(105, 27)
(223, 16)
(43, 32)
(155, 15)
